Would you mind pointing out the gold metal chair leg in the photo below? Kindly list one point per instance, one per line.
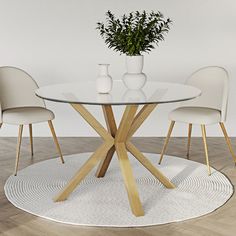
(31, 139)
(167, 140)
(228, 140)
(205, 147)
(189, 138)
(18, 148)
(55, 140)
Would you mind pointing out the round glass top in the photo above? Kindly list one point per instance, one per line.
(85, 93)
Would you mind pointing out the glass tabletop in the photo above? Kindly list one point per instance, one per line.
(85, 93)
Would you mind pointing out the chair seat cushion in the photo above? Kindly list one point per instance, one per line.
(195, 115)
(27, 115)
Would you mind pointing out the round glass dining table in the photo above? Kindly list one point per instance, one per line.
(117, 138)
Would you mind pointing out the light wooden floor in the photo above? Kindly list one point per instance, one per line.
(16, 222)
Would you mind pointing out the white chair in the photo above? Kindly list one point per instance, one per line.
(20, 106)
(209, 108)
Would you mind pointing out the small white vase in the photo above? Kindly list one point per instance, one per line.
(104, 80)
(134, 78)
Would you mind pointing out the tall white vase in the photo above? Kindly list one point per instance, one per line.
(104, 80)
(134, 78)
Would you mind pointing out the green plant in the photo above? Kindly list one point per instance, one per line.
(134, 33)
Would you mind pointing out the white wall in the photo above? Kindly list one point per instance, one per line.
(56, 42)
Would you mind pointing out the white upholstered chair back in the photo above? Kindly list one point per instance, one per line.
(17, 89)
(213, 81)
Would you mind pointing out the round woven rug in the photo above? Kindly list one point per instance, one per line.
(104, 201)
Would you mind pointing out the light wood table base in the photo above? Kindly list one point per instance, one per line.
(116, 140)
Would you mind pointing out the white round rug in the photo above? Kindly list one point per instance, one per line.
(104, 201)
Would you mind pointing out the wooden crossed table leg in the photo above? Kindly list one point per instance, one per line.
(116, 140)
